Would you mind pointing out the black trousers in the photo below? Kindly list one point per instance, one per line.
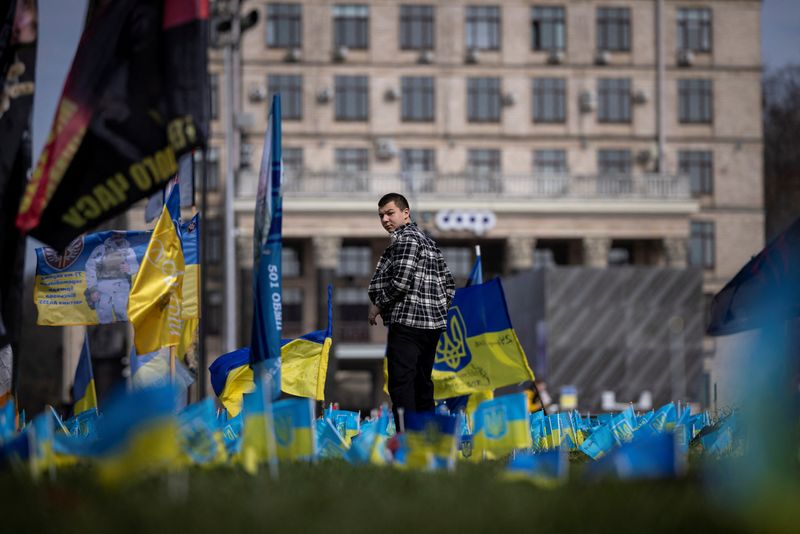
(410, 353)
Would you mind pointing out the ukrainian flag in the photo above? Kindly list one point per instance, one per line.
(501, 425)
(200, 436)
(479, 350)
(545, 469)
(154, 306)
(330, 443)
(304, 367)
(346, 423)
(190, 237)
(83, 391)
(304, 361)
(137, 435)
(295, 435)
(430, 441)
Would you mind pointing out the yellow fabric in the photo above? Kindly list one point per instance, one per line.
(239, 382)
(188, 336)
(88, 401)
(304, 366)
(153, 449)
(191, 292)
(497, 360)
(154, 307)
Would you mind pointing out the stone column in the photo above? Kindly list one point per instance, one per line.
(595, 251)
(676, 252)
(519, 249)
(326, 261)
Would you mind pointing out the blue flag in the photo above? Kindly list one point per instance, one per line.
(83, 391)
(476, 274)
(546, 469)
(267, 319)
(652, 457)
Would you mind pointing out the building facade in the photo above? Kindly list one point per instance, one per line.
(583, 132)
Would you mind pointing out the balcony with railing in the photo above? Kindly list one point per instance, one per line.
(484, 186)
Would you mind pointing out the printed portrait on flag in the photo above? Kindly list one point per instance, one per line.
(90, 283)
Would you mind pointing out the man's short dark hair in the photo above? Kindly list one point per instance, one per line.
(398, 199)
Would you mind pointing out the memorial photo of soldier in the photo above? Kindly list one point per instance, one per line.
(109, 271)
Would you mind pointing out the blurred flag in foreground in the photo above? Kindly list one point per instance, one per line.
(330, 443)
(430, 441)
(479, 350)
(655, 456)
(138, 434)
(84, 395)
(294, 429)
(547, 469)
(501, 425)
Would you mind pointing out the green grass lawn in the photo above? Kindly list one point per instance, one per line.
(333, 496)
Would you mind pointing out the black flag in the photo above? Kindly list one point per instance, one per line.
(135, 101)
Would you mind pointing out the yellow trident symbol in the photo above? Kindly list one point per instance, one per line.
(453, 343)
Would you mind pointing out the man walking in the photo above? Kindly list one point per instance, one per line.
(411, 290)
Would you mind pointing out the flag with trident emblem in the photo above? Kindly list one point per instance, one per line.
(479, 351)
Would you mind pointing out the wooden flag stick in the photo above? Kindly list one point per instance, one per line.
(172, 365)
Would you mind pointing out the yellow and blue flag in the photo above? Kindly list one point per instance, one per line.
(304, 368)
(295, 431)
(200, 436)
(84, 394)
(154, 307)
(664, 418)
(232, 378)
(304, 360)
(330, 444)
(546, 469)
(599, 443)
(501, 425)
(137, 435)
(265, 342)
(430, 441)
(346, 423)
(369, 446)
(655, 456)
(479, 349)
(8, 421)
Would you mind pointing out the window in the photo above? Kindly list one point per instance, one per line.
(614, 29)
(355, 260)
(550, 161)
(483, 99)
(695, 101)
(417, 160)
(483, 28)
(694, 29)
(213, 228)
(418, 98)
(701, 244)
(352, 159)
(290, 86)
(610, 162)
(549, 100)
(353, 305)
(214, 90)
(351, 25)
(284, 25)
(614, 100)
(292, 160)
(416, 27)
(352, 98)
(484, 161)
(548, 28)
(292, 309)
(212, 168)
(459, 260)
(213, 312)
(292, 168)
(291, 263)
(699, 165)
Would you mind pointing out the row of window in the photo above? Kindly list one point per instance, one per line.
(485, 99)
(482, 27)
(697, 164)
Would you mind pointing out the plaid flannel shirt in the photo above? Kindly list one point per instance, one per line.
(412, 285)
